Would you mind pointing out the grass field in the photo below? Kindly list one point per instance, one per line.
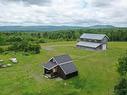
(97, 71)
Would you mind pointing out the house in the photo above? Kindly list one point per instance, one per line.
(60, 66)
(93, 41)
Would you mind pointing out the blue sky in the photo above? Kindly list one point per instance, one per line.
(63, 12)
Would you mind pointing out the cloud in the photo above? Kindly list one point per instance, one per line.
(63, 12)
(101, 3)
(30, 2)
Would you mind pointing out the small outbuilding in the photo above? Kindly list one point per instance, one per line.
(60, 66)
(93, 41)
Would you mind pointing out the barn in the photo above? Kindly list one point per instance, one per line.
(60, 66)
(93, 41)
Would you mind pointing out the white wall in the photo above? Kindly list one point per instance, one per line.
(104, 47)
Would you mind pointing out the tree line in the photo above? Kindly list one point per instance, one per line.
(115, 34)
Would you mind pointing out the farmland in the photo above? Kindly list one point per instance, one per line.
(97, 71)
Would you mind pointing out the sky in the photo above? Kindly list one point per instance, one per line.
(63, 12)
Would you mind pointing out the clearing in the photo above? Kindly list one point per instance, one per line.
(97, 71)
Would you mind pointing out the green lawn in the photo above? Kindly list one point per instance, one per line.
(97, 71)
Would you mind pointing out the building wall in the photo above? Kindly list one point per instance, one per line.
(47, 71)
(87, 48)
(72, 75)
(104, 46)
(90, 40)
(61, 73)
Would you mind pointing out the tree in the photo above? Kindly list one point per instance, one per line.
(122, 65)
(34, 48)
(1, 50)
(121, 87)
(37, 48)
(2, 40)
(25, 46)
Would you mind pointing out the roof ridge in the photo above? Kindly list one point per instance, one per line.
(61, 55)
(65, 62)
(94, 33)
(89, 42)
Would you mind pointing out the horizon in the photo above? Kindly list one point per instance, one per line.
(82, 13)
(54, 25)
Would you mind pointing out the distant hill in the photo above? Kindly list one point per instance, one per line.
(47, 28)
(102, 26)
(37, 28)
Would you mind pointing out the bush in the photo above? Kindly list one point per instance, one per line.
(15, 39)
(121, 87)
(34, 48)
(25, 47)
(42, 40)
(122, 62)
(1, 50)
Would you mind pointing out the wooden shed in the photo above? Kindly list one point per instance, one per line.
(60, 66)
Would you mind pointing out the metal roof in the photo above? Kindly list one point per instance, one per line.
(93, 36)
(88, 44)
(62, 59)
(68, 68)
(50, 65)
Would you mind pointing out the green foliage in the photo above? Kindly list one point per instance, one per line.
(41, 40)
(115, 34)
(34, 48)
(25, 47)
(2, 40)
(1, 50)
(122, 68)
(15, 39)
(121, 87)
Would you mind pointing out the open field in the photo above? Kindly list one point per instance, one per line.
(97, 71)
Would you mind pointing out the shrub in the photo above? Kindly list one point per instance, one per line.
(1, 50)
(122, 62)
(25, 47)
(41, 40)
(121, 87)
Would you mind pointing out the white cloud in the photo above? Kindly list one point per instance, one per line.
(63, 12)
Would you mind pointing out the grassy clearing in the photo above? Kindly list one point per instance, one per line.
(97, 71)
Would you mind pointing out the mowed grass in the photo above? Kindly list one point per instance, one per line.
(97, 71)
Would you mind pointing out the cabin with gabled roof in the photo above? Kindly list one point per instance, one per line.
(60, 66)
(93, 41)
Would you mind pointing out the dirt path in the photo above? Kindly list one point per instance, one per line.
(51, 47)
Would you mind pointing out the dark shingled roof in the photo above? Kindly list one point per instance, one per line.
(68, 68)
(62, 59)
(49, 65)
(65, 63)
